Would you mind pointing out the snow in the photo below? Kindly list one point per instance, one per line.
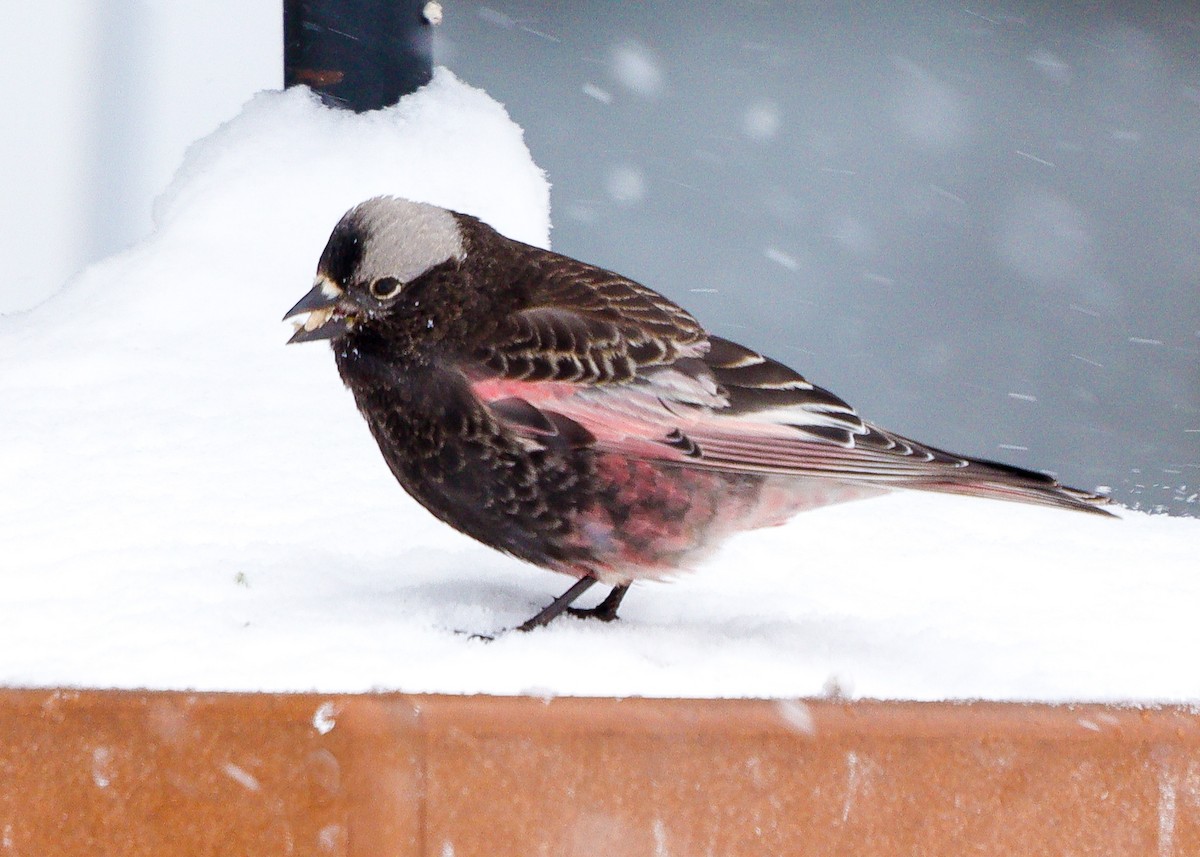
(626, 184)
(928, 110)
(188, 503)
(634, 66)
(761, 120)
(1043, 237)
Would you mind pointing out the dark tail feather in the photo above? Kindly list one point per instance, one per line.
(982, 478)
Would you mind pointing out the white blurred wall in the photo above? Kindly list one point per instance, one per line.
(104, 96)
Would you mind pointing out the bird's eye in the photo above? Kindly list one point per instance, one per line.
(385, 287)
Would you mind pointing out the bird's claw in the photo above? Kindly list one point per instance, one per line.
(599, 613)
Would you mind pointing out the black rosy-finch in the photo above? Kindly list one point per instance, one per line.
(580, 421)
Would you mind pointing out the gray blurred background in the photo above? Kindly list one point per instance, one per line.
(980, 224)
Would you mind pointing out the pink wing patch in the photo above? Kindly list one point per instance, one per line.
(735, 411)
(671, 417)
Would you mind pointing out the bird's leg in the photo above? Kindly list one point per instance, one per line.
(558, 605)
(606, 610)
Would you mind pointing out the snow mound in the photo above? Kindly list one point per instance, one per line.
(189, 504)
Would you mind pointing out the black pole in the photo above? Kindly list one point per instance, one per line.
(358, 54)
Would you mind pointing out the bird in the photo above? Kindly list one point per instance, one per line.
(578, 420)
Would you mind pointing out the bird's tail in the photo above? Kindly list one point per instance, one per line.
(981, 478)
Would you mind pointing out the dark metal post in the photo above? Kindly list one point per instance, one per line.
(358, 54)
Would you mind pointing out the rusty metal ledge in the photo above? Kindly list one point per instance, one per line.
(132, 773)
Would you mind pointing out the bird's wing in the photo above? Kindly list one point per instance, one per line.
(588, 326)
(729, 408)
(643, 377)
(603, 361)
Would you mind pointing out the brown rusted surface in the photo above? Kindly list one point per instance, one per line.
(317, 77)
(130, 773)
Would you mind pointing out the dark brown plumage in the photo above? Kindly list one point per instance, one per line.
(578, 420)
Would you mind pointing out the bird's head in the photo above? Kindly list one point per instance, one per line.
(377, 249)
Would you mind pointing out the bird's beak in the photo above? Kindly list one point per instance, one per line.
(329, 314)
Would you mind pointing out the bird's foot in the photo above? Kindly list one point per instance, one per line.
(593, 613)
(606, 610)
(556, 607)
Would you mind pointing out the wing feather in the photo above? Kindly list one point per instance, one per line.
(588, 326)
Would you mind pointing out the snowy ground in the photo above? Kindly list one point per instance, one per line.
(189, 504)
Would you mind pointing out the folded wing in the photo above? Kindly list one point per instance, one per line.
(600, 360)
